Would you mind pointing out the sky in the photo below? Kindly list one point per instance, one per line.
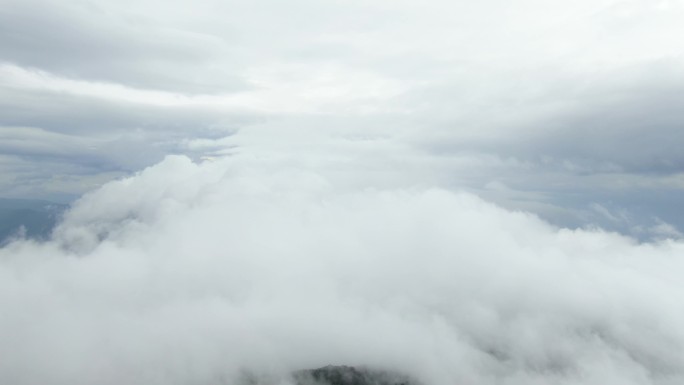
(571, 110)
(493, 186)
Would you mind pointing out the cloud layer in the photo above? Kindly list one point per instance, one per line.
(570, 110)
(415, 187)
(193, 273)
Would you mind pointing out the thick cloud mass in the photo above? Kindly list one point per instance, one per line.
(413, 186)
(194, 273)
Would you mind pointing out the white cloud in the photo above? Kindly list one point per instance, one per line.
(187, 273)
(339, 219)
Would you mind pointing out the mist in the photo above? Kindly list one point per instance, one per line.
(196, 273)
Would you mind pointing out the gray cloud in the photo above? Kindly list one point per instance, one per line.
(96, 118)
(550, 109)
(87, 41)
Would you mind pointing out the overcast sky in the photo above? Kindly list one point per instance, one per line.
(572, 110)
(477, 192)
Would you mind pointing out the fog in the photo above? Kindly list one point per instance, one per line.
(196, 273)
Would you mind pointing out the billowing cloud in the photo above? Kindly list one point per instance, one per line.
(415, 187)
(194, 273)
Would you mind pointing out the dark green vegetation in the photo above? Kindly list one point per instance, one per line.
(347, 375)
(32, 219)
(329, 375)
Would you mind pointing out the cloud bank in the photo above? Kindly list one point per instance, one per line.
(192, 273)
